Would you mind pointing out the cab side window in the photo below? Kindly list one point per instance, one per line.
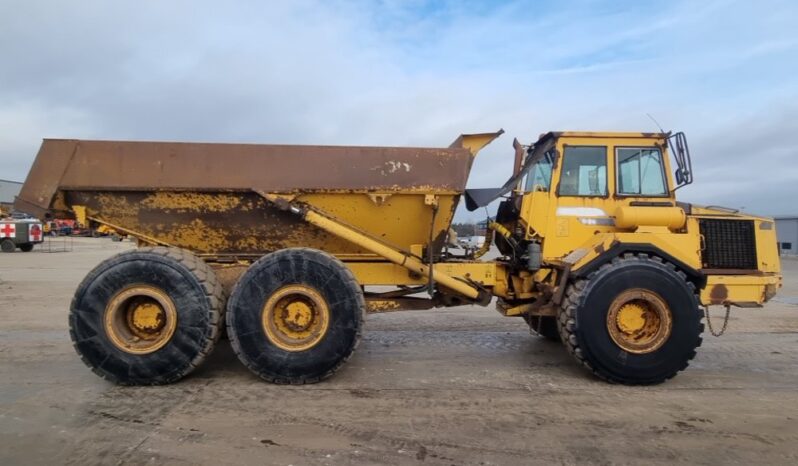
(640, 172)
(584, 171)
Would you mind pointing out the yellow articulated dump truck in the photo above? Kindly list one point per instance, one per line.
(289, 246)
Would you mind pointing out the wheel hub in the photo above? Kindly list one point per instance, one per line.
(295, 318)
(298, 316)
(140, 319)
(147, 317)
(639, 321)
(632, 317)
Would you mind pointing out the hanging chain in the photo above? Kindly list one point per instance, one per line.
(725, 322)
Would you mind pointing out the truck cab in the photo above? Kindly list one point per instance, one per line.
(588, 197)
(600, 255)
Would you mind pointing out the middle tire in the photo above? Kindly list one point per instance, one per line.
(295, 316)
(545, 326)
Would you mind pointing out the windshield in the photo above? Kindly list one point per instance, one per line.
(539, 173)
(537, 170)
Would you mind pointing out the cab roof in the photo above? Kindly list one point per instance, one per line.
(600, 134)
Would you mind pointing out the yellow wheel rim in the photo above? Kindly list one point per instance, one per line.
(295, 318)
(639, 321)
(140, 319)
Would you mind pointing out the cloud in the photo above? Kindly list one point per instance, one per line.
(408, 73)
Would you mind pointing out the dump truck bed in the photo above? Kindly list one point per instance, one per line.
(208, 197)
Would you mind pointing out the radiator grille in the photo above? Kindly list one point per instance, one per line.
(728, 244)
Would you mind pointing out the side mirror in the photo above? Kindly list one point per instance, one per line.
(683, 174)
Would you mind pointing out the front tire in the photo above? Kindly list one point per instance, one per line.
(26, 247)
(295, 316)
(635, 321)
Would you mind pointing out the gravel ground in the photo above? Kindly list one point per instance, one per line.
(454, 386)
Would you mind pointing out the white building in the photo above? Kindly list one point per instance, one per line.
(8, 191)
(787, 234)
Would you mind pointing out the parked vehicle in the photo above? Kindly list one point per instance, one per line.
(596, 250)
(20, 234)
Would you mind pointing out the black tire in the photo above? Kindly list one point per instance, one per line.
(584, 329)
(544, 326)
(198, 299)
(7, 245)
(26, 247)
(310, 268)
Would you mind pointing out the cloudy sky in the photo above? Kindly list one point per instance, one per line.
(415, 73)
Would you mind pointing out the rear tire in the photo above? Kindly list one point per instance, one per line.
(148, 316)
(27, 247)
(295, 316)
(7, 245)
(655, 340)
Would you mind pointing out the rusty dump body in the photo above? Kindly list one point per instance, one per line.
(208, 198)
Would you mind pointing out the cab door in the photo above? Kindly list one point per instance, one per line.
(535, 193)
(582, 202)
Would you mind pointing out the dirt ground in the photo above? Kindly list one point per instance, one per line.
(456, 386)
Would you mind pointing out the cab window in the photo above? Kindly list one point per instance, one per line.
(640, 172)
(539, 176)
(584, 171)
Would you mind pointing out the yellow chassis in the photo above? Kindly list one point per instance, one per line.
(734, 290)
(522, 292)
(478, 281)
